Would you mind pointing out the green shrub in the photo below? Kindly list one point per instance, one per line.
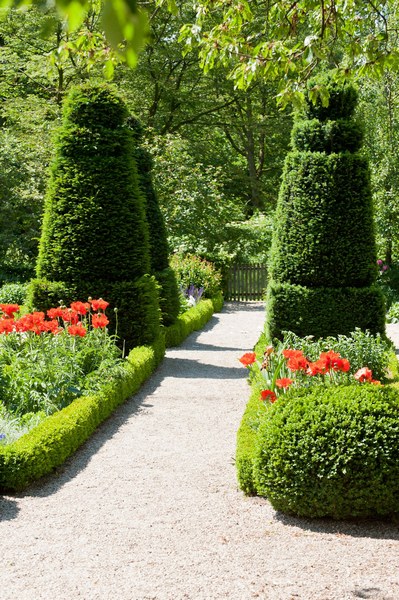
(323, 311)
(393, 313)
(323, 258)
(57, 437)
(94, 225)
(13, 293)
(247, 432)
(136, 327)
(193, 270)
(388, 282)
(192, 320)
(331, 452)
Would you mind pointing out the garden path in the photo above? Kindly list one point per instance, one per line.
(149, 507)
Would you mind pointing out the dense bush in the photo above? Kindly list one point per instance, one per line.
(13, 293)
(95, 235)
(323, 259)
(192, 320)
(193, 270)
(323, 312)
(332, 453)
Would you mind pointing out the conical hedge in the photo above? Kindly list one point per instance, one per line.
(323, 259)
(159, 251)
(95, 239)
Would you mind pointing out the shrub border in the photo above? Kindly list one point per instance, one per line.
(247, 431)
(48, 445)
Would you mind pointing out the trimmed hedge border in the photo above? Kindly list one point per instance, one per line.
(247, 432)
(48, 445)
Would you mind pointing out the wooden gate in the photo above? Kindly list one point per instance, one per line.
(246, 282)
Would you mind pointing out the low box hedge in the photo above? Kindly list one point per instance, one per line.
(48, 445)
(192, 320)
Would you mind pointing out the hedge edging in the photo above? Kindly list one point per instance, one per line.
(246, 434)
(48, 445)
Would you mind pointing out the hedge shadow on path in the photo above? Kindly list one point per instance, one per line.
(377, 528)
(9, 509)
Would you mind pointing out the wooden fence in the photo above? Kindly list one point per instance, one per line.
(246, 282)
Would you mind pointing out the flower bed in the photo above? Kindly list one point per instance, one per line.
(49, 444)
(319, 436)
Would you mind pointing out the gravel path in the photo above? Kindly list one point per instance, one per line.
(149, 507)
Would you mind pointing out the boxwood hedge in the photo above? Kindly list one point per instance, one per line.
(331, 452)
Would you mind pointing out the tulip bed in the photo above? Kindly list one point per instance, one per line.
(320, 435)
(61, 432)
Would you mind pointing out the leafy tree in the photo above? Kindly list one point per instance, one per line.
(171, 95)
(379, 108)
(191, 197)
(95, 235)
(287, 41)
(323, 261)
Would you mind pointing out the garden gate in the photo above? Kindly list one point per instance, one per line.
(246, 282)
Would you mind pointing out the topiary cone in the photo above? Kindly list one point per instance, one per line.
(323, 258)
(95, 239)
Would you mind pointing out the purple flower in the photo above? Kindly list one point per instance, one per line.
(2, 436)
(385, 268)
(379, 262)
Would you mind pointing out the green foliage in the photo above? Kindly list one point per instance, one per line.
(45, 373)
(95, 234)
(246, 435)
(341, 135)
(323, 312)
(338, 103)
(94, 191)
(158, 243)
(331, 453)
(324, 223)
(169, 298)
(323, 259)
(13, 293)
(286, 43)
(191, 196)
(193, 270)
(379, 108)
(360, 348)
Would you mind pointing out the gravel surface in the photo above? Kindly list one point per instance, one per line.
(149, 507)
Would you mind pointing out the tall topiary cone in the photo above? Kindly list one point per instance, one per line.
(323, 258)
(159, 252)
(95, 239)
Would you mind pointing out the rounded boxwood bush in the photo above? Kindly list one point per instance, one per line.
(331, 452)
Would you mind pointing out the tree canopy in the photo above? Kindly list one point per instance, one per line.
(287, 41)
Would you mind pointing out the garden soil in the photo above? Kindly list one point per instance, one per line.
(149, 508)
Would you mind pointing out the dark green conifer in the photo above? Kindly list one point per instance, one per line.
(95, 239)
(159, 251)
(323, 260)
